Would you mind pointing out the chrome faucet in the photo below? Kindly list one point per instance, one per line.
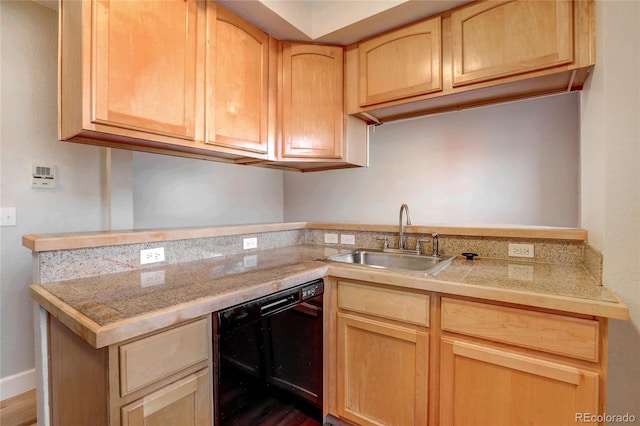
(403, 207)
(436, 244)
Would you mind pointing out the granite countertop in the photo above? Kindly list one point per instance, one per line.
(109, 308)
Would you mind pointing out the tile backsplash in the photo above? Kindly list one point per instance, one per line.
(545, 250)
(67, 264)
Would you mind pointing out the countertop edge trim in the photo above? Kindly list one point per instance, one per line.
(78, 240)
(75, 320)
(567, 234)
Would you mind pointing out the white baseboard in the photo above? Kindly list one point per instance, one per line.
(18, 383)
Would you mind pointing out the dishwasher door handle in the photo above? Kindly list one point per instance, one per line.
(276, 305)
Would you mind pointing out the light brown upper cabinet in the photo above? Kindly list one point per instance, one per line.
(500, 38)
(240, 84)
(401, 63)
(145, 69)
(130, 70)
(314, 131)
(492, 51)
(193, 79)
(312, 101)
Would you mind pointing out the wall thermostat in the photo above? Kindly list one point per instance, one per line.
(43, 175)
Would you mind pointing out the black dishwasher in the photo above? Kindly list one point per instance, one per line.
(268, 359)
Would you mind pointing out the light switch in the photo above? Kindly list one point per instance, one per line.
(8, 216)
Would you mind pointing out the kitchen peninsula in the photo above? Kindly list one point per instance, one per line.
(541, 322)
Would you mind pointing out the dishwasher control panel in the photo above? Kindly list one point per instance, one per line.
(313, 289)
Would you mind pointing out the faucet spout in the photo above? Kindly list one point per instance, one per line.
(404, 208)
(436, 244)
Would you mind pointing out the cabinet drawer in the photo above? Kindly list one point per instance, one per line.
(383, 302)
(155, 357)
(574, 337)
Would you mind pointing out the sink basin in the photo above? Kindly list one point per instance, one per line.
(394, 261)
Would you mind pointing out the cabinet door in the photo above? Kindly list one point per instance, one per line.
(482, 384)
(144, 65)
(500, 38)
(186, 402)
(401, 64)
(382, 372)
(312, 101)
(237, 82)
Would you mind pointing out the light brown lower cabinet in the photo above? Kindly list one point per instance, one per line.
(186, 402)
(161, 378)
(382, 354)
(382, 372)
(479, 382)
(400, 356)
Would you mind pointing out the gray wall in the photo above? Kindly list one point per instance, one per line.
(179, 192)
(515, 163)
(28, 114)
(610, 145)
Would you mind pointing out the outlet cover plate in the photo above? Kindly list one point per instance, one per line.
(348, 239)
(152, 255)
(331, 238)
(250, 243)
(521, 250)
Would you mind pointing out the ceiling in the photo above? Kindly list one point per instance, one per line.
(328, 21)
(334, 21)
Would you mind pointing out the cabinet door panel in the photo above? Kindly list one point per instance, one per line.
(401, 64)
(501, 38)
(312, 101)
(238, 82)
(186, 402)
(493, 385)
(144, 65)
(382, 372)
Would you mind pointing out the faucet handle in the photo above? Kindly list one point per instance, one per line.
(418, 249)
(386, 242)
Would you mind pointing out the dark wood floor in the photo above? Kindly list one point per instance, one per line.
(272, 412)
(19, 410)
(247, 405)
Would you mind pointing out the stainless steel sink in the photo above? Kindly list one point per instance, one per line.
(394, 261)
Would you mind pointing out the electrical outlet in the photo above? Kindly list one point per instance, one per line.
(331, 238)
(521, 250)
(349, 239)
(152, 255)
(150, 278)
(250, 243)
